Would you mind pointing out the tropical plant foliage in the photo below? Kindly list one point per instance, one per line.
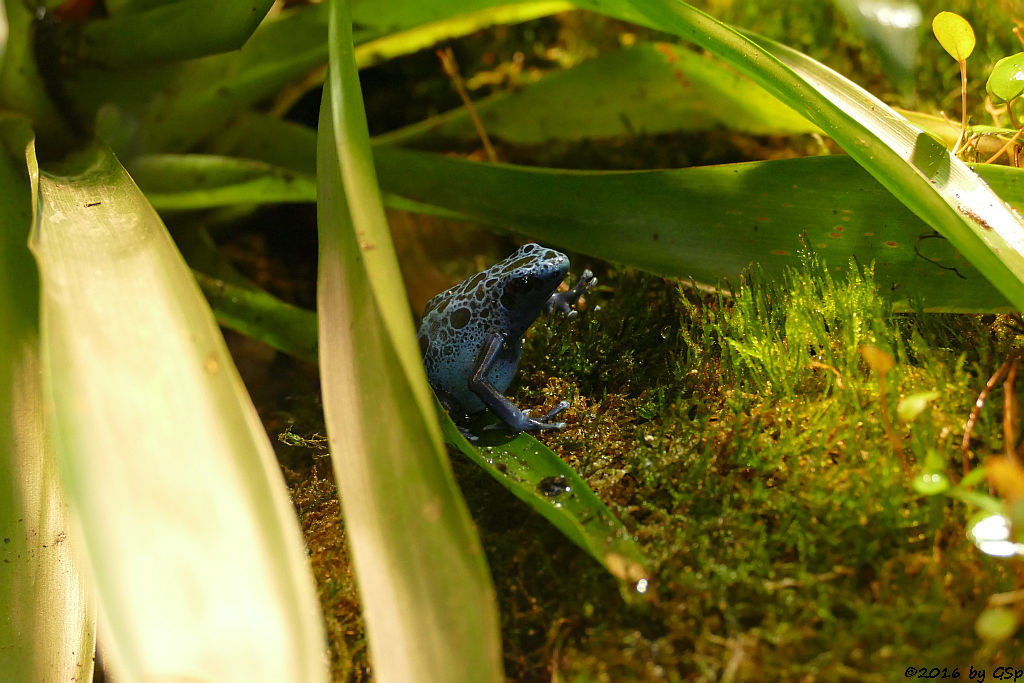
(138, 482)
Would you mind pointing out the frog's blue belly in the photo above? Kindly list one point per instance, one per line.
(450, 373)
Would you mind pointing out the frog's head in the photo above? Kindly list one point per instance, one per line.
(529, 277)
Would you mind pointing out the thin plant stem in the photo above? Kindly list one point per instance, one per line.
(451, 68)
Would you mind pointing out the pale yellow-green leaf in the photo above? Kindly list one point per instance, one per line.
(47, 623)
(190, 541)
(420, 37)
(996, 624)
(954, 34)
(426, 594)
(910, 407)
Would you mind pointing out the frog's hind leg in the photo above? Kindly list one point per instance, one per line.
(496, 401)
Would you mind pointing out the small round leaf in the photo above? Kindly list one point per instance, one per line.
(1007, 79)
(996, 624)
(954, 34)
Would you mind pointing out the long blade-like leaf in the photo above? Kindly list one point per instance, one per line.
(427, 596)
(538, 477)
(708, 223)
(192, 544)
(47, 625)
(647, 89)
(705, 223)
(199, 181)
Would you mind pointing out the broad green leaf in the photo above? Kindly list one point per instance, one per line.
(1006, 80)
(47, 622)
(954, 34)
(647, 89)
(539, 478)
(172, 108)
(191, 542)
(709, 223)
(195, 181)
(843, 213)
(165, 32)
(268, 139)
(426, 594)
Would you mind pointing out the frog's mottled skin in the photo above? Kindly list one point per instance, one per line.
(471, 335)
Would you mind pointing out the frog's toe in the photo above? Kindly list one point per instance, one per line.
(562, 405)
(538, 426)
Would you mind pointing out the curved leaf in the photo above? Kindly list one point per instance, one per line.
(166, 32)
(191, 541)
(709, 223)
(539, 478)
(954, 34)
(197, 181)
(647, 89)
(47, 621)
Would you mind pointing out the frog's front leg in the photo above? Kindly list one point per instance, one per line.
(515, 418)
(564, 301)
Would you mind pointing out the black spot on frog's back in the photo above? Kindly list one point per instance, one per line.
(460, 317)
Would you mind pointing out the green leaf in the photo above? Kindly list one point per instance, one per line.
(21, 84)
(268, 139)
(171, 108)
(47, 621)
(708, 223)
(539, 478)
(931, 483)
(373, 20)
(166, 32)
(909, 163)
(259, 315)
(195, 181)
(426, 593)
(954, 34)
(190, 538)
(400, 27)
(910, 407)
(1006, 81)
(646, 89)
(996, 624)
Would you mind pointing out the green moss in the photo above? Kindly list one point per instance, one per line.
(741, 441)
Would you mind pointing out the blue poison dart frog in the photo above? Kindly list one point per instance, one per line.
(471, 335)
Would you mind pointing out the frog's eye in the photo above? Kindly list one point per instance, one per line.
(519, 290)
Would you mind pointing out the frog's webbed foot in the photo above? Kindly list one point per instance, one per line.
(564, 301)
